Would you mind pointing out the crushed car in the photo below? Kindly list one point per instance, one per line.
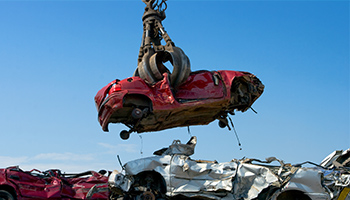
(337, 173)
(51, 184)
(172, 174)
(156, 98)
(203, 98)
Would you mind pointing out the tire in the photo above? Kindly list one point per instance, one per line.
(148, 195)
(152, 184)
(123, 135)
(4, 195)
(222, 124)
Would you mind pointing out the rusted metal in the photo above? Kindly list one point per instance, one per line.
(153, 54)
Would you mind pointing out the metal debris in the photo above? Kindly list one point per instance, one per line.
(172, 174)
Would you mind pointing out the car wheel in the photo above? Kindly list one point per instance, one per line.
(147, 195)
(222, 124)
(149, 186)
(4, 195)
(136, 113)
(124, 134)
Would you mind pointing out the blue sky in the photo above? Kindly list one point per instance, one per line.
(56, 55)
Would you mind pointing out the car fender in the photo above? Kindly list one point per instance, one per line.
(157, 179)
(159, 164)
(160, 94)
(108, 107)
(102, 94)
(8, 185)
(11, 188)
(307, 182)
(228, 76)
(252, 179)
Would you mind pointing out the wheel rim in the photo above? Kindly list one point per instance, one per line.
(137, 113)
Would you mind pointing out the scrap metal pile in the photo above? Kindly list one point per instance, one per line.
(172, 174)
(16, 184)
(155, 99)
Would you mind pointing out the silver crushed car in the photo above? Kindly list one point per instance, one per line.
(172, 174)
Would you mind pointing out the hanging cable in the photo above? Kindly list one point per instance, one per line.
(120, 163)
(234, 129)
(253, 110)
(189, 131)
(141, 149)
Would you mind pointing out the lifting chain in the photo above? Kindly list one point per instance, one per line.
(153, 54)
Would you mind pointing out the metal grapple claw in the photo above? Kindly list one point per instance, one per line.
(153, 54)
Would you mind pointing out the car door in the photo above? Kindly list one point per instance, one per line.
(201, 85)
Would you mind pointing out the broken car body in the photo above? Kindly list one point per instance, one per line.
(51, 184)
(156, 98)
(172, 174)
(204, 97)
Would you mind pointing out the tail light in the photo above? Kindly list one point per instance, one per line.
(115, 88)
(105, 91)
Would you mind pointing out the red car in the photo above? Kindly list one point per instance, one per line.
(33, 185)
(202, 98)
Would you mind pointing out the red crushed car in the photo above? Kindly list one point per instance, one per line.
(51, 184)
(202, 98)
